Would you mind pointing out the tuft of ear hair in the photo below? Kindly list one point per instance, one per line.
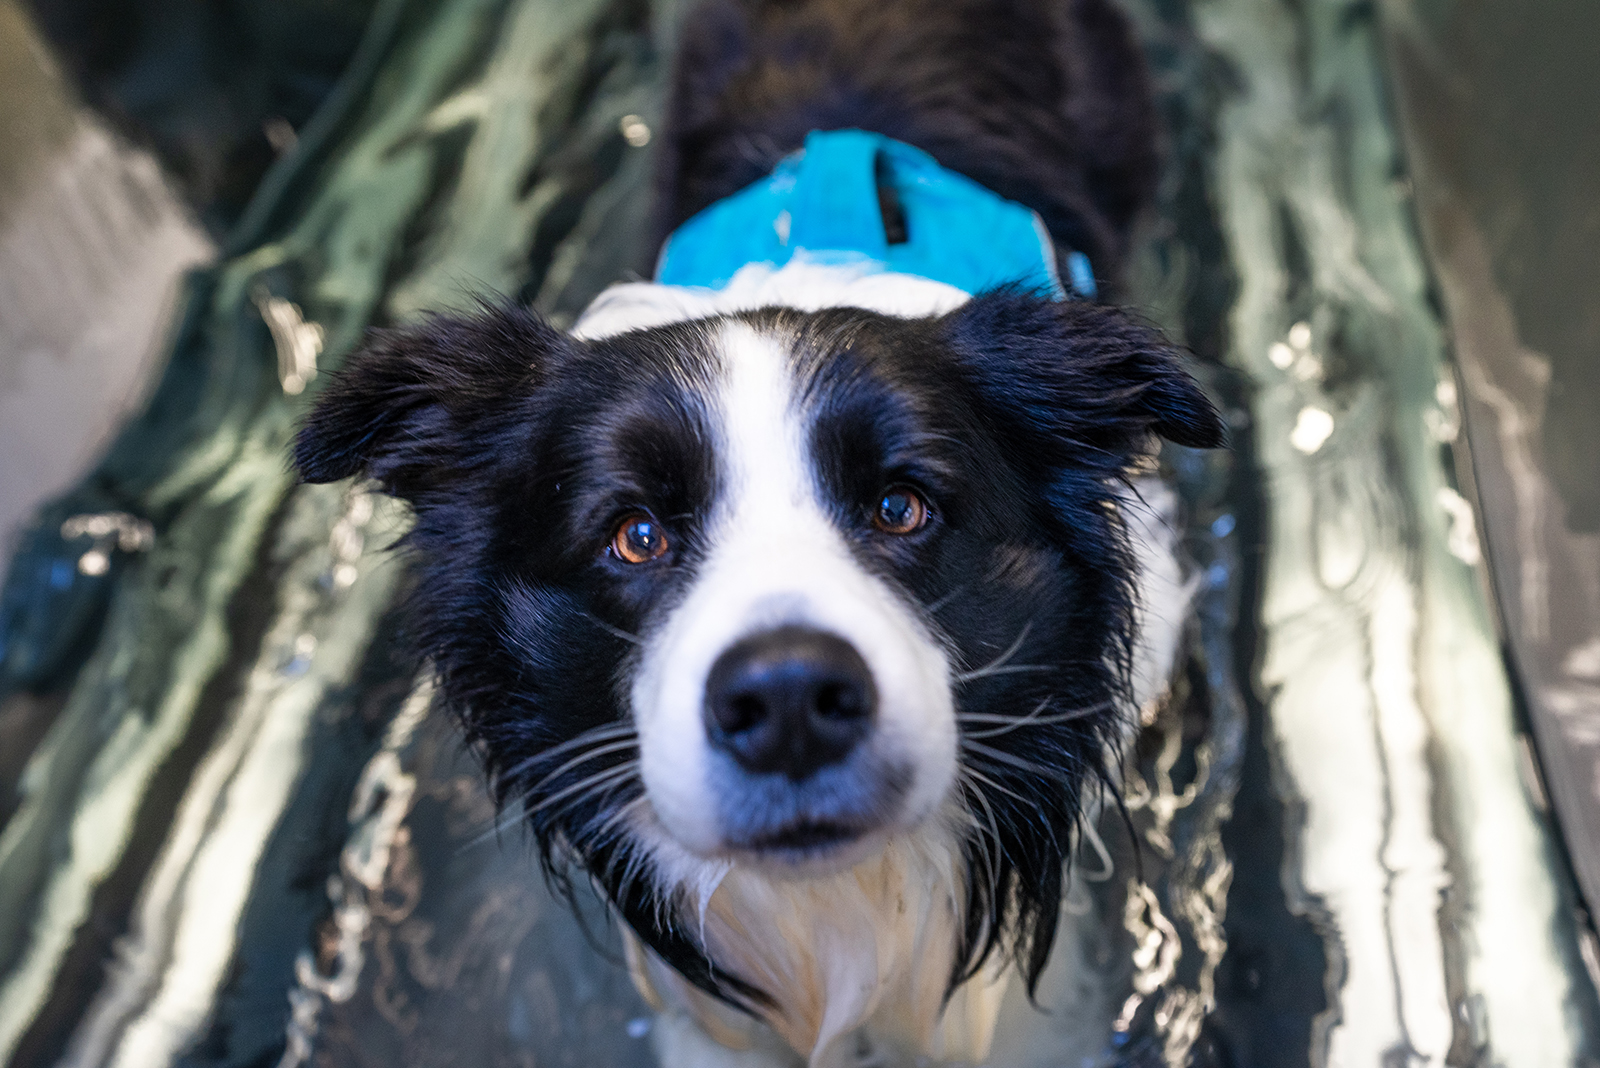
(1086, 381)
(419, 405)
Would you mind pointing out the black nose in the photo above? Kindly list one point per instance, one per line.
(791, 700)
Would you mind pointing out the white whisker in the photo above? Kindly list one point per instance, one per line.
(992, 784)
(588, 737)
(609, 775)
(936, 606)
(612, 820)
(1011, 723)
(513, 811)
(1010, 669)
(998, 788)
(504, 819)
(616, 632)
(991, 667)
(1032, 766)
(583, 758)
(989, 828)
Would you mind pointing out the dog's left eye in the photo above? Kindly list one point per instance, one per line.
(900, 511)
(638, 540)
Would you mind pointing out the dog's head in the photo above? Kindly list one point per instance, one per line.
(775, 587)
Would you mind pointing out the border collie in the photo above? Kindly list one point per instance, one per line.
(806, 609)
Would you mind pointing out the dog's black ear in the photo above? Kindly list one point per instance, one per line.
(419, 405)
(1082, 377)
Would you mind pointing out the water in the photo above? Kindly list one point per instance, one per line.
(1347, 855)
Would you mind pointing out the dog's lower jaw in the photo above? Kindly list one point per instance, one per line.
(868, 947)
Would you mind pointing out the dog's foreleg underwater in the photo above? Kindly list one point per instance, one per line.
(802, 599)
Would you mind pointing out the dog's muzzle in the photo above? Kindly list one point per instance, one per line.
(791, 715)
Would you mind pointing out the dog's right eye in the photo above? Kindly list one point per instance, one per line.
(638, 540)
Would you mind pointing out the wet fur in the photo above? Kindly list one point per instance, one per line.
(520, 446)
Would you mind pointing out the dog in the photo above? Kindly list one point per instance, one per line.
(804, 600)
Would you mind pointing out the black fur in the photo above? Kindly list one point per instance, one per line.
(1046, 102)
(519, 449)
(1019, 418)
(516, 447)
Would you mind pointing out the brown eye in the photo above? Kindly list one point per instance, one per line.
(639, 540)
(900, 511)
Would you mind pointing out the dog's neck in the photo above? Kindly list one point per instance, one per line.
(804, 283)
(863, 954)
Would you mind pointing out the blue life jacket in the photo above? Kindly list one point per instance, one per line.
(824, 200)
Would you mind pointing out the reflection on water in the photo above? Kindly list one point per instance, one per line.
(1515, 239)
(241, 804)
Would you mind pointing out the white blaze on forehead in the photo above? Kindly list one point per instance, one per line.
(774, 557)
(762, 450)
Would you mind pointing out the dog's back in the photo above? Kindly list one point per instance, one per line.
(1044, 101)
